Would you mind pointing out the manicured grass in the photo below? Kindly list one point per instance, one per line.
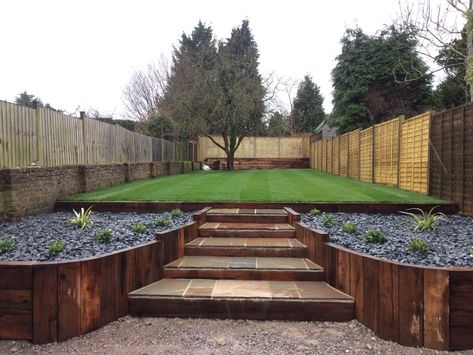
(289, 185)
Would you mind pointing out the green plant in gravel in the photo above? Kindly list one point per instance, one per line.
(328, 220)
(139, 228)
(176, 213)
(104, 235)
(83, 218)
(418, 244)
(6, 245)
(314, 212)
(425, 221)
(471, 252)
(163, 221)
(374, 236)
(56, 247)
(349, 228)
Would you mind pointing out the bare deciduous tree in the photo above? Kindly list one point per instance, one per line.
(145, 90)
(435, 24)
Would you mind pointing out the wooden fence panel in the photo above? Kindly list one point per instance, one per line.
(414, 161)
(386, 152)
(354, 154)
(451, 156)
(366, 154)
(330, 156)
(336, 155)
(343, 155)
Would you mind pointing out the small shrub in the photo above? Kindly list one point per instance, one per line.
(328, 220)
(375, 236)
(163, 221)
(104, 235)
(176, 213)
(425, 221)
(6, 245)
(471, 252)
(83, 218)
(139, 228)
(418, 244)
(56, 247)
(314, 212)
(349, 228)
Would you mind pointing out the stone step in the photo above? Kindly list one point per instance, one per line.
(271, 247)
(223, 299)
(246, 215)
(246, 230)
(244, 268)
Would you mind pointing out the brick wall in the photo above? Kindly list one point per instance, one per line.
(25, 191)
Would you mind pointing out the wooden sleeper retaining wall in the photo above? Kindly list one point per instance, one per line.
(54, 301)
(408, 304)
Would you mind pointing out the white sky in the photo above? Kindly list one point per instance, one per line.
(82, 53)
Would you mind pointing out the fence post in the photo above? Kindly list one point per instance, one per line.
(400, 121)
(39, 142)
(373, 150)
(348, 154)
(84, 138)
(359, 154)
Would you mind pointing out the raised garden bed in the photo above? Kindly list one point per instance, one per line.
(57, 300)
(413, 305)
(449, 244)
(32, 236)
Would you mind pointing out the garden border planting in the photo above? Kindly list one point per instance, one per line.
(54, 301)
(409, 304)
(159, 206)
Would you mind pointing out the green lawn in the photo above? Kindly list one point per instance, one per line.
(290, 185)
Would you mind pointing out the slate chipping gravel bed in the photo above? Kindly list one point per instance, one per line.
(203, 336)
(449, 244)
(33, 234)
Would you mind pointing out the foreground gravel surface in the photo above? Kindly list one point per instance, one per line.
(449, 244)
(200, 336)
(33, 234)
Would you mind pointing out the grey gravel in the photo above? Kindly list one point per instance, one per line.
(203, 336)
(449, 244)
(33, 234)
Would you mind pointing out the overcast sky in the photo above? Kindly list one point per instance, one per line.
(82, 53)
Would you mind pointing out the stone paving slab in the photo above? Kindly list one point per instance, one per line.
(247, 242)
(247, 211)
(246, 226)
(305, 290)
(236, 262)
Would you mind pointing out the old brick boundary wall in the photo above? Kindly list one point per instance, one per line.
(26, 191)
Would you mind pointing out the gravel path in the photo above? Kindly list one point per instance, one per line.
(33, 234)
(449, 244)
(182, 336)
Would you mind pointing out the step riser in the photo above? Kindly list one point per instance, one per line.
(236, 274)
(222, 233)
(247, 219)
(257, 309)
(261, 252)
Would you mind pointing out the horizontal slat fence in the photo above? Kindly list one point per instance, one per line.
(259, 147)
(50, 138)
(394, 152)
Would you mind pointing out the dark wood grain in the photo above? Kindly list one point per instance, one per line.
(91, 279)
(388, 316)
(411, 304)
(370, 293)
(69, 300)
(436, 309)
(45, 303)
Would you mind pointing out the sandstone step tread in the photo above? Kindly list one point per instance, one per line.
(212, 242)
(247, 211)
(247, 263)
(250, 289)
(247, 226)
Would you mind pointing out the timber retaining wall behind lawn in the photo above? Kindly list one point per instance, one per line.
(25, 191)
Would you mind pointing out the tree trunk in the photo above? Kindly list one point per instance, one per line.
(230, 160)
